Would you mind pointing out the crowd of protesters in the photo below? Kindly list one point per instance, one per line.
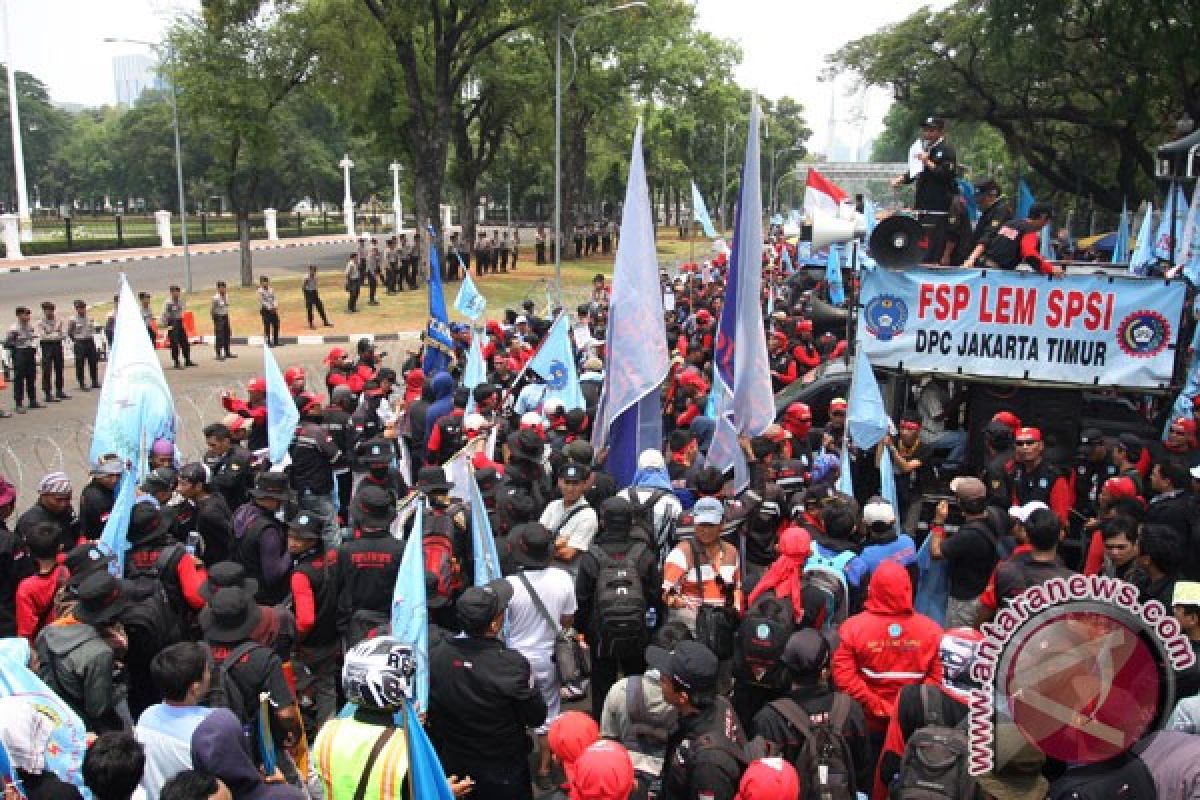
(755, 644)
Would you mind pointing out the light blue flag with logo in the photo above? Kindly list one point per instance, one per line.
(135, 405)
(1046, 244)
(833, 276)
(1121, 245)
(469, 302)
(967, 190)
(1189, 242)
(1177, 208)
(282, 415)
(114, 539)
(427, 777)
(932, 585)
(68, 740)
(410, 615)
(887, 480)
(1024, 199)
(867, 421)
(742, 375)
(1143, 249)
(483, 543)
(439, 346)
(555, 363)
(474, 373)
(700, 213)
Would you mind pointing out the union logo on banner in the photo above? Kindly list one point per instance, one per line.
(885, 317)
(1144, 333)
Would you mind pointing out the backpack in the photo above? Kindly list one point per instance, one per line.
(647, 738)
(761, 637)
(1124, 778)
(438, 545)
(620, 602)
(153, 621)
(828, 576)
(824, 762)
(643, 514)
(225, 692)
(936, 760)
(453, 435)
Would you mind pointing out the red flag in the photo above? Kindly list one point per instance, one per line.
(822, 194)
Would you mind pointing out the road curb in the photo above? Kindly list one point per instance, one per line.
(342, 338)
(118, 259)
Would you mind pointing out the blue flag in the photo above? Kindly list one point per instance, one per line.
(475, 372)
(1024, 199)
(555, 363)
(410, 615)
(869, 213)
(845, 482)
(282, 415)
(1143, 250)
(742, 376)
(867, 421)
(483, 543)
(833, 276)
(629, 417)
(469, 302)
(967, 190)
(887, 480)
(1189, 242)
(135, 405)
(785, 256)
(439, 347)
(68, 741)
(114, 539)
(932, 585)
(1121, 245)
(427, 777)
(1177, 208)
(1046, 243)
(700, 212)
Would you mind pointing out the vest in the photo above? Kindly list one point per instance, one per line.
(319, 570)
(343, 748)
(1005, 246)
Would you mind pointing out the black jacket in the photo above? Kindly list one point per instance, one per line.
(232, 475)
(691, 772)
(68, 524)
(937, 185)
(15, 566)
(214, 522)
(313, 453)
(616, 546)
(990, 221)
(366, 574)
(817, 701)
(481, 700)
(1176, 510)
(95, 503)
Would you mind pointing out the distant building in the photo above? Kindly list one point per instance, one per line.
(132, 75)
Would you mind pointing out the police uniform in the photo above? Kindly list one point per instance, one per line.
(936, 187)
(222, 334)
(231, 475)
(997, 478)
(80, 330)
(172, 319)
(51, 334)
(21, 343)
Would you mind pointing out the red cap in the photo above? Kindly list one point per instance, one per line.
(838, 404)
(334, 354)
(769, 779)
(8, 492)
(798, 412)
(1007, 418)
(804, 326)
(909, 425)
(1120, 487)
(571, 734)
(602, 772)
(703, 317)
(780, 337)
(1185, 426)
(1029, 433)
(257, 385)
(308, 402)
(292, 374)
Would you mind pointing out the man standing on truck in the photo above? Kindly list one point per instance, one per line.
(1019, 240)
(1034, 478)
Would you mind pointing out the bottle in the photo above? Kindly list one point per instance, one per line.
(651, 617)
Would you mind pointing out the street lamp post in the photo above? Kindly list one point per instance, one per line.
(724, 172)
(558, 34)
(183, 231)
(14, 117)
(347, 199)
(397, 206)
(774, 155)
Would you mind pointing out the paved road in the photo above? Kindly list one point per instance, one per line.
(97, 283)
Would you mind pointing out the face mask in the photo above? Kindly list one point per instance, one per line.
(379, 473)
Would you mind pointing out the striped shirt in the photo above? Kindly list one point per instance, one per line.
(679, 574)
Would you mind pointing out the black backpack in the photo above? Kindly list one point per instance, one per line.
(1124, 778)
(226, 692)
(643, 514)
(453, 436)
(824, 761)
(620, 602)
(154, 619)
(936, 760)
(761, 638)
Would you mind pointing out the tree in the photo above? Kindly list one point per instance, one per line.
(234, 75)
(44, 128)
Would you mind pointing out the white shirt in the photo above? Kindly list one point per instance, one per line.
(578, 530)
(528, 632)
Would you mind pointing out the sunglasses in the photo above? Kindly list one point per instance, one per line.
(1027, 442)
(837, 413)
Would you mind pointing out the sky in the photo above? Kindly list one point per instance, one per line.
(784, 46)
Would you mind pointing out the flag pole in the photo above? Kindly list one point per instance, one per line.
(408, 753)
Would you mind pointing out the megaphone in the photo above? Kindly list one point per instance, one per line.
(827, 230)
(897, 242)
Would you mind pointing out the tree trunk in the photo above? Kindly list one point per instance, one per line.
(243, 226)
(470, 199)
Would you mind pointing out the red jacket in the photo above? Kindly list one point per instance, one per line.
(886, 647)
(35, 601)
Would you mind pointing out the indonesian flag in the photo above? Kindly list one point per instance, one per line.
(822, 195)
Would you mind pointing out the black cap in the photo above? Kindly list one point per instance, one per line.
(230, 617)
(159, 480)
(195, 473)
(691, 665)
(224, 575)
(84, 559)
(617, 514)
(1091, 436)
(376, 452)
(933, 122)
(306, 525)
(532, 545)
(433, 479)
(101, 599)
(1131, 444)
(806, 652)
(525, 445)
(576, 472)
(146, 522)
(373, 508)
(272, 485)
(989, 185)
(479, 605)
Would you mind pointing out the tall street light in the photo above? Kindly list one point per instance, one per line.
(558, 37)
(774, 155)
(183, 231)
(24, 222)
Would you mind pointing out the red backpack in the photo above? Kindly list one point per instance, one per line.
(440, 558)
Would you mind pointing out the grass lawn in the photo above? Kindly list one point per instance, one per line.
(408, 311)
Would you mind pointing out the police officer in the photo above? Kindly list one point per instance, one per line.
(229, 463)
(21, 343)
(81, 331)
(392, 259)
(1019, 240)
(172, 320)
(219, 311)
(51, 332)
(481, 255)
(700, 760)
(994, 212)
(410, 262)
(937, 183)
(147, 316)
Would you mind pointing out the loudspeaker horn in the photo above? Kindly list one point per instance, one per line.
(827, 230)
(896, 242)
